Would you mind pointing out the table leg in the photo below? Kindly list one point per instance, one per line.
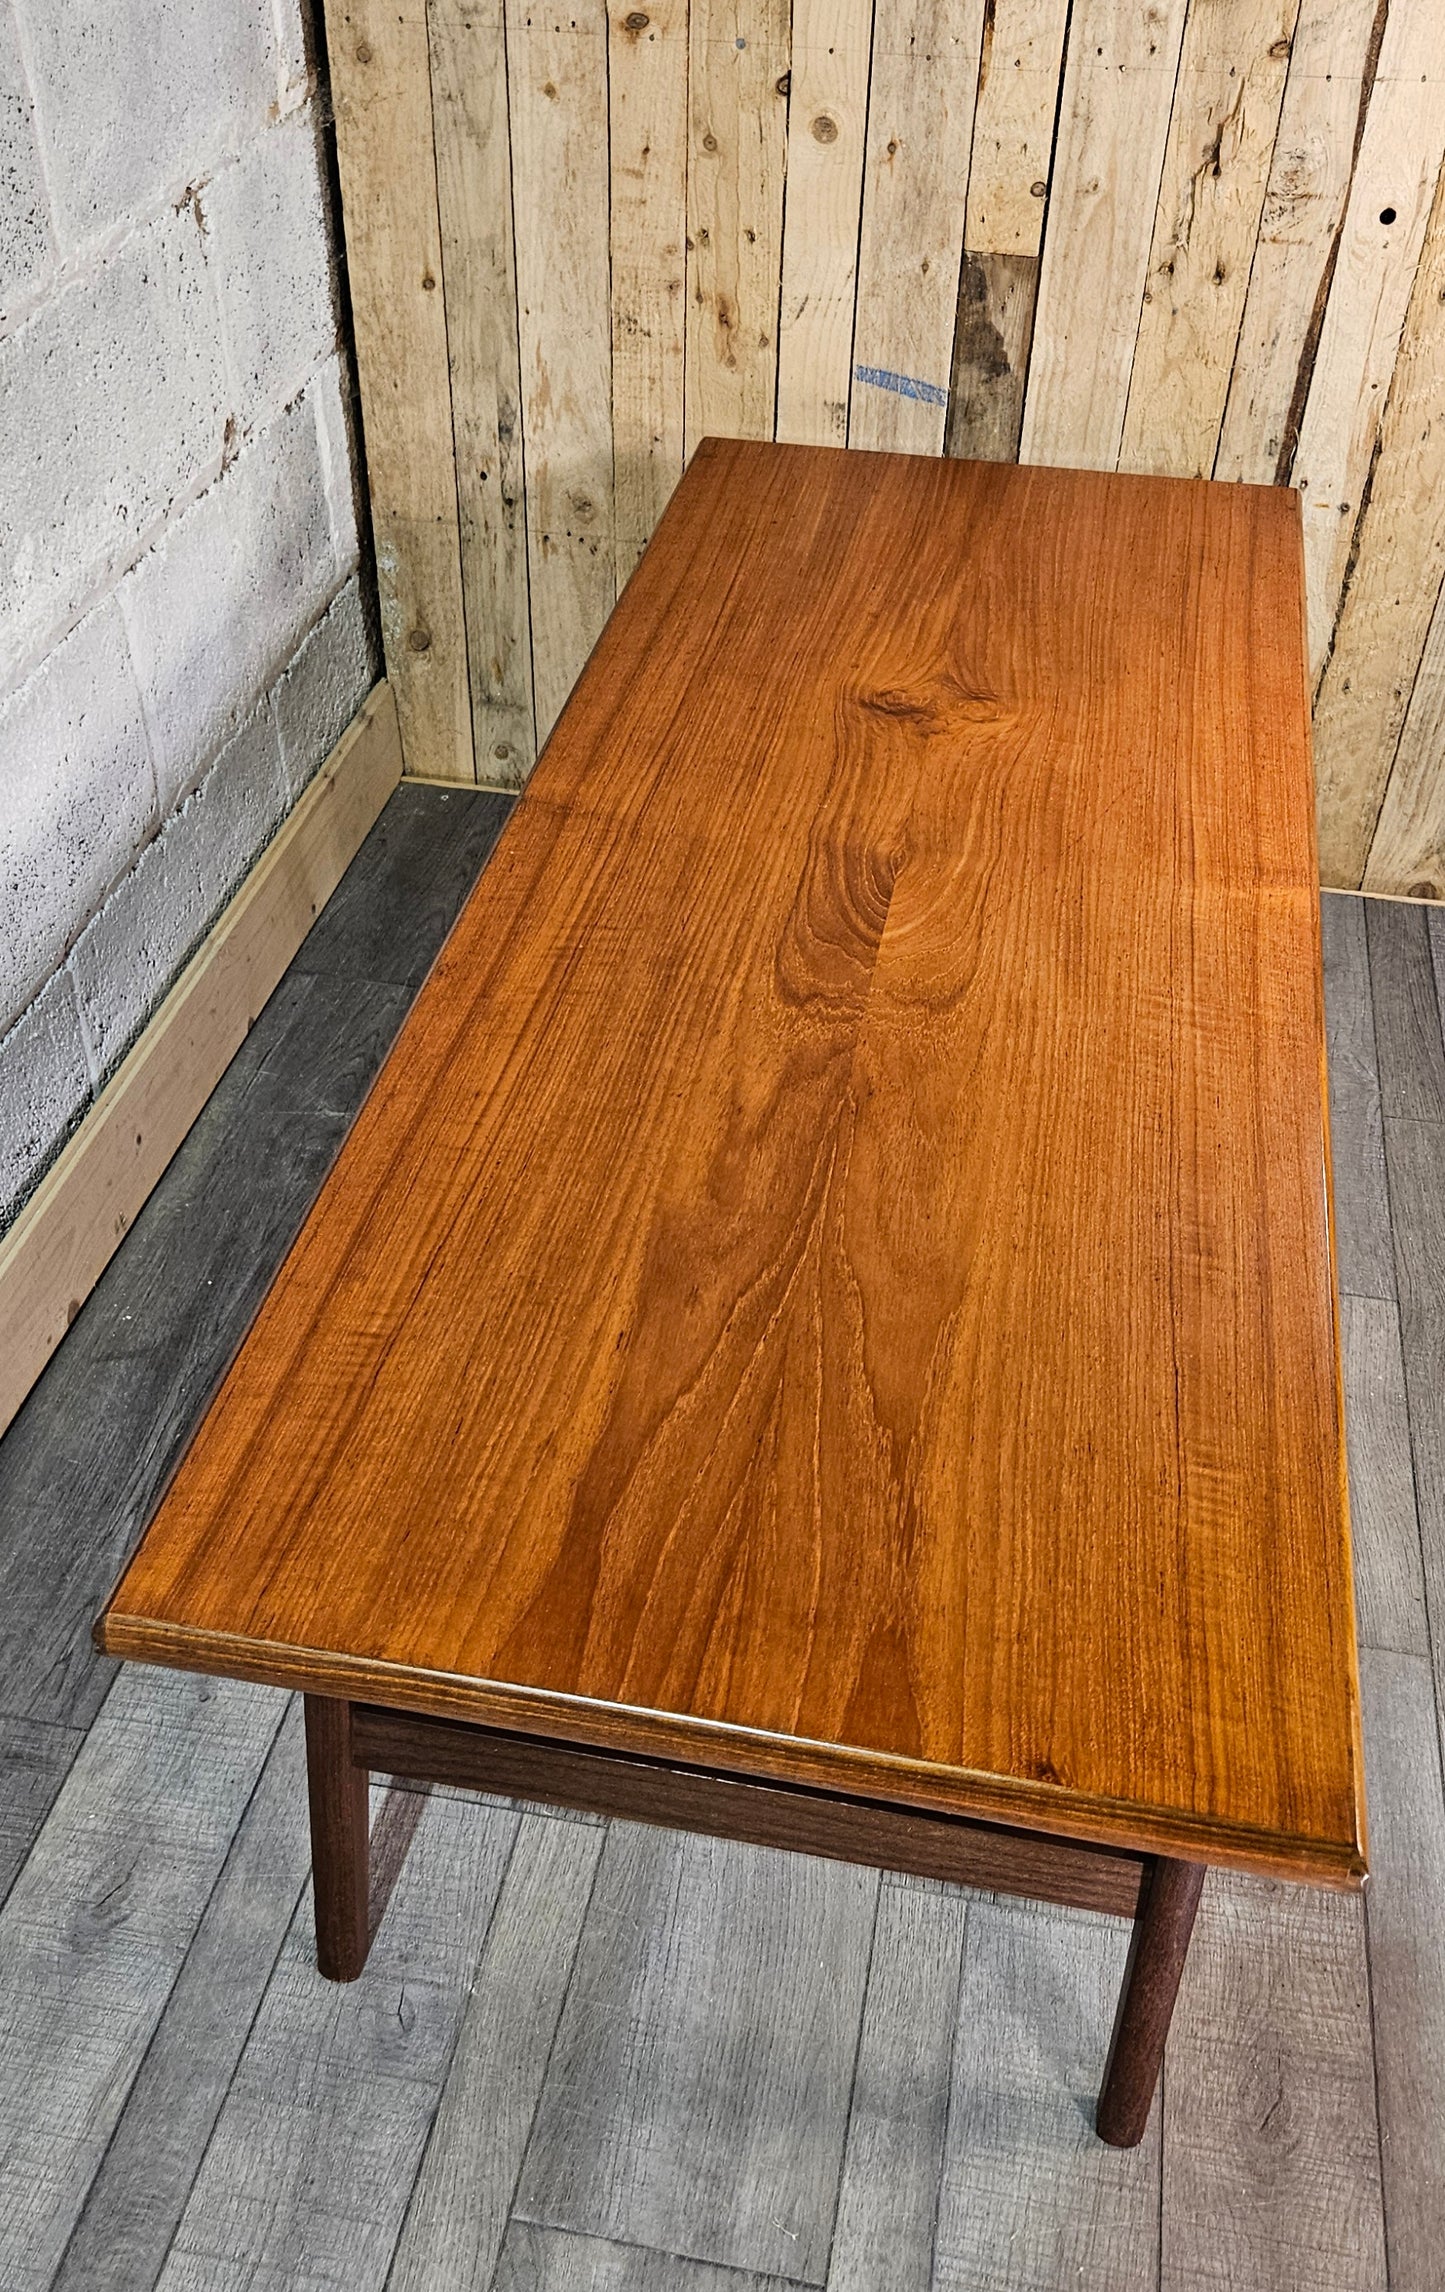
(340, 1839)
(1162, 1927)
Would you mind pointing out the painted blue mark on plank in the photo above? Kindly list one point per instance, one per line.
(906, 385)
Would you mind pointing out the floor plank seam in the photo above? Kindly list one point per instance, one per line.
(444, 2079)
(284, 1930)
(853, 2079)
(944, 2149)
(526, 2147)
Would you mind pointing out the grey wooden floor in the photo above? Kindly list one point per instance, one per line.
(589, 2056)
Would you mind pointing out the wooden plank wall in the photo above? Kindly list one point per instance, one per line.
(1196, 237)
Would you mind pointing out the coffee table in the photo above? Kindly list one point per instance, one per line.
(824, 1328)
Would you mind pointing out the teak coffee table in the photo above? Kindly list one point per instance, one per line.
(823, 1331)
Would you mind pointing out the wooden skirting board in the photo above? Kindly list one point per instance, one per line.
(64, 1237)
(1203, 238)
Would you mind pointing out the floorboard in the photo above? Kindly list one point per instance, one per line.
(1389, 1572)
(898, 2124)
(1271, 2145)
(1405, 1920)
(136, 2199)
(697, 2098)
(1416, 1152)
(306, 2177)
(554, 2260)
(1362, 1208)
(1408, 1041)
(34, 1761)
(602, 2059)
(396, 903)
(1029, 2198)
(458, 2213)
(96, 1930)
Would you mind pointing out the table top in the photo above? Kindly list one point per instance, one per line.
(834, 1278)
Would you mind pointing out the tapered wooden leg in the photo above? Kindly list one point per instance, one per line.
(340, 1840)
(1162, 1927)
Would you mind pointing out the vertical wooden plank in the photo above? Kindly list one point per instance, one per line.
(1118, 92)
(1309, 181)
(827, 119)
(991, 343)
(458, 2211)
(1400, 566)
(1221, 137)
(1407, 851)
(1013, 130)
(381, 90)
(557, 79)
(1029, 2195)
(1385, 1529)
(915, 193)
(474, 187)
(1405, 1923)
(1271, 2152)
(886, 2207)
(1008, 182)
(697, 2099)
(647, 107)
(1364, 1252)
(738, 106)
(1379, 249)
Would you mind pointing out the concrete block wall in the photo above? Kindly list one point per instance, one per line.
(183, 633)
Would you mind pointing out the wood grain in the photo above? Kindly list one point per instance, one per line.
(1407, 853)
(647, 167)
(1118, 91)
(1384, 621)
(1364, 1251)
(338, 2085)
(549, 2260)
(557, 79)
(457, 2216)
(474, 197)
(614, 1276)
(991, 344)
(1221, 138)
(381, 91)
(1028, 2196)
(1271, 2151)
(898, 2121)
(709, 2119)
(96, 1930)
(136, 2199)
(1415, 1154)
(920, 133)
(807, 1822)
(1407, 1957)
(1381, 237)
(737, 161)
(1013, 129)
(1292, 268)
(1389, 1576)
(827, 116)
(1409, 1047)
